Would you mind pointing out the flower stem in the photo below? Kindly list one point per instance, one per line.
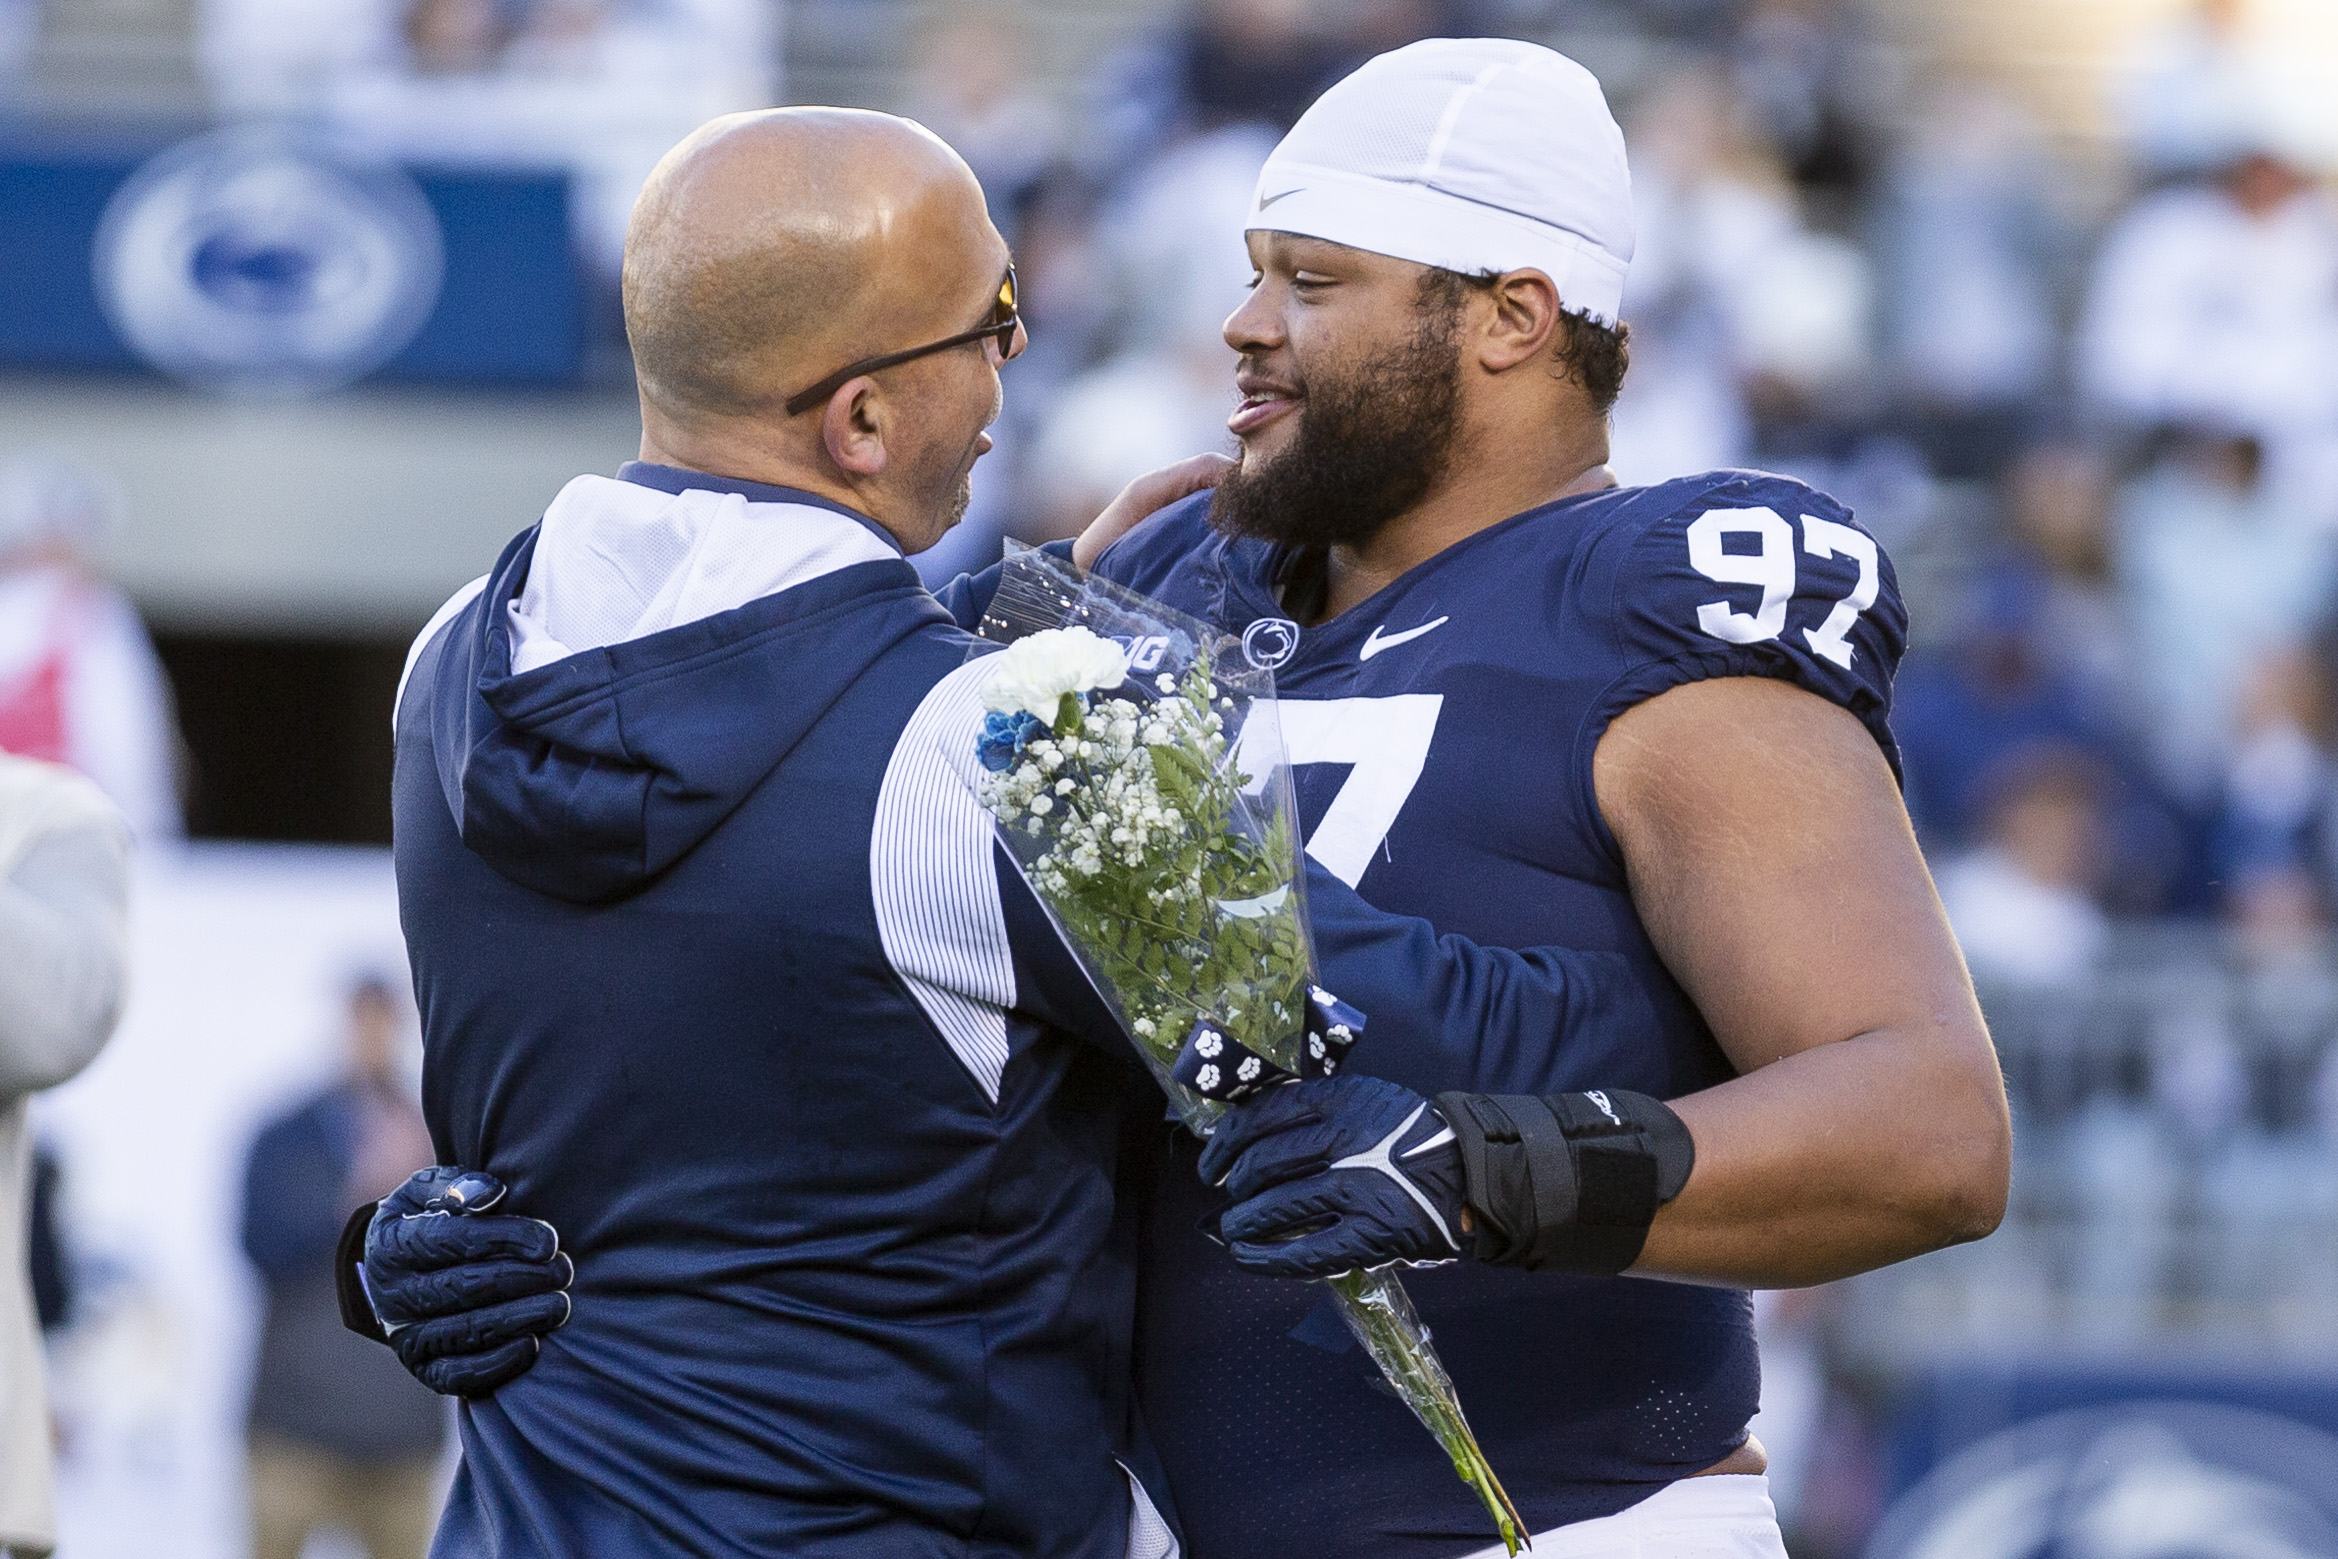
(1381, 1314)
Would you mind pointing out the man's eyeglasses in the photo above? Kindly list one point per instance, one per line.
(1001, 327)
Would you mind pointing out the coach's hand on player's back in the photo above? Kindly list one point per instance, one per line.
(463, 1293)
(1334, 1174)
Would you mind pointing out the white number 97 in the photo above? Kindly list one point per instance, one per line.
(1773, 569)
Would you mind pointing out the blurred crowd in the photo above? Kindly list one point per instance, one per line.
(2088, 401)
(599, 88)
(2087, 395)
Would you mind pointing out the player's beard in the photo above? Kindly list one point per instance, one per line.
(1373, 439)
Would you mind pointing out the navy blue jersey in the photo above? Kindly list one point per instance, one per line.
(1442, 735)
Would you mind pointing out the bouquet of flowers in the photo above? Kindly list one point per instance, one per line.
(1133, 763)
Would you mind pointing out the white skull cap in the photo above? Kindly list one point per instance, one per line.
(1474, 154)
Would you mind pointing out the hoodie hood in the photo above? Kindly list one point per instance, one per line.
(639, 661)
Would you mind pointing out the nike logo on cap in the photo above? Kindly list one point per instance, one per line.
(1375, 641)
(1265, 201)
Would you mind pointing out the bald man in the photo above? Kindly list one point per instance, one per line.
(715, 963)
(722, 973)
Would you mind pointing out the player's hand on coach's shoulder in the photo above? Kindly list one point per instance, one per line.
(1335, 1174)
(1144, 497)
(463, 1293)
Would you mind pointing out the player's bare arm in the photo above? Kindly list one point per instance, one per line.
(1774, 867)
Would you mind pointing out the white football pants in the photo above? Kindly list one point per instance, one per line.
(1726, 1516)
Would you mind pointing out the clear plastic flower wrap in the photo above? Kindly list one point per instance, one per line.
(1132, 759)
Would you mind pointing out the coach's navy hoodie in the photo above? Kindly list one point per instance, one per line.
(718, 971)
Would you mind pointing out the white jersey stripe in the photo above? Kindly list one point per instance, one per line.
(934, 882)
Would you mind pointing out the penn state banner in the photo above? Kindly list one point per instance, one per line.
(268, 260)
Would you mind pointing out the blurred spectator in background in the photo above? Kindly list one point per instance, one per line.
(2023, 904)
(971, 84)
(1174, 252)
(1249, 62)
(79, 680)
(1803, 67)
(1968, 245)
(1990, 690)
(1750, 328)
(341, 1436)
(2191, 90)
(454, 37)
(2058, 500)
(1238, 62)
(2031, 656)
(2217, 573)
(1229, 62)
(2271, 846)
(599, 87)
(1710, 197)
(2218, 304)
(63, 886)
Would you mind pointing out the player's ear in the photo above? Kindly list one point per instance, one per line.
(1523, 322)
(852, 428)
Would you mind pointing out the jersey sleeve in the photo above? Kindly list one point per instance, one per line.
(1759, 576)
(968, 596)
(1442, 1012)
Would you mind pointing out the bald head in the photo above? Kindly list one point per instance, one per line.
(769, 249)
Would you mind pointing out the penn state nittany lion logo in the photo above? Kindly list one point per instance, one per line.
(258, 260)
(2145, 1480)
(1269, 642)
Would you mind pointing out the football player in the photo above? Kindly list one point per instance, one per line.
(1531, 706)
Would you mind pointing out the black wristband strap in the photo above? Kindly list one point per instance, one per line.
(348, 1279)
(1568, 1182)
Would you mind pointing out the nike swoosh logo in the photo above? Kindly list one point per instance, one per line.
(1376, 641)
(1265, 201)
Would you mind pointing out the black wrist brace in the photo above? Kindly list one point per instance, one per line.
(1568, 1182)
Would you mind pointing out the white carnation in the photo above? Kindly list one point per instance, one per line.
(1036, 671)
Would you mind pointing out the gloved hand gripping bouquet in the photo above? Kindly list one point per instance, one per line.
(1133, 763)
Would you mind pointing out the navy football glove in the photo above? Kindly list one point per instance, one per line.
(464, 1295)
(1329, 1175)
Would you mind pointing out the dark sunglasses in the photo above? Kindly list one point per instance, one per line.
(1003, 323)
